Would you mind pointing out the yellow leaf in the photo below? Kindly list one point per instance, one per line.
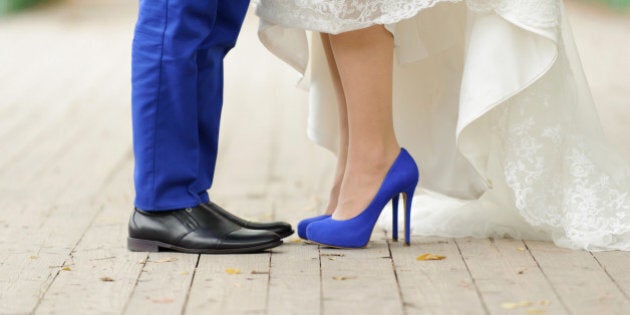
(509, 305)
(545, 302)
(428, 256)
(32, 257)
(515, 305)
(107, 279)
(66, 268)
(168, 259)
(296, 240)
(232, 271)
(520, 249)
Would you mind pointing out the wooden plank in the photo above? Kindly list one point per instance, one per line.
(55, 89)
(163, 285)
(59, 154)
(579, 280)
(101, 254)
(47, 169)
(41, 221)
(507, 277)
(294, 286)
(437, 286)
(615, 264)
(233, 284)
(72, 174)
(360, 281)
(230, 284)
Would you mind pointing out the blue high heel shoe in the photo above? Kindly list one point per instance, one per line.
(402, 177)
(301, 228)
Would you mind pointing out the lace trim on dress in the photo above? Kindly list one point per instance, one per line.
(553, 168)
(336, 16)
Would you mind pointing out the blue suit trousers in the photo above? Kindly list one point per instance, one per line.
(177, 96)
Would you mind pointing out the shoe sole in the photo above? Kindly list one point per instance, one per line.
(336, 247)
(140, 245)
(307, 241)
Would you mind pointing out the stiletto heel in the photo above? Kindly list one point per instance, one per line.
(408, 199)
(395, 218)
(402, 177)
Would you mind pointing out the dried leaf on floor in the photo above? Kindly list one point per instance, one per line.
(184, 273)
(521, 249)
(544, 302)
(163, 260)
(428, 256)
(162, 300)
(142, 261)
(256, 272)
(32, 257)
(107, 279)
(232, 271)
(342, 278)
(515, 305)
(104, 258)
(66, 268)
(296, 240)
(334, 255)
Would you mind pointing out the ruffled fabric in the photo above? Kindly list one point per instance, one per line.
(490, 98)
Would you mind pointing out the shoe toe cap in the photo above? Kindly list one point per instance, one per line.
(303, 225)
(248, 237)
(283, 229)
(317, 232)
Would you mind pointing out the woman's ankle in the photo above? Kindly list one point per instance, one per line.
(333, 196)
(373, 159)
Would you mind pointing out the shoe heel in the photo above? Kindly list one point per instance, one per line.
(408, 199)
(137, 245)
(395, 218)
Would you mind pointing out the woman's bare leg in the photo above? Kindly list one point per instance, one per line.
(364, 59)
(342, 152)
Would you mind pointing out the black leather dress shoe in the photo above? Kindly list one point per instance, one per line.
(194, 230)
(283, 229)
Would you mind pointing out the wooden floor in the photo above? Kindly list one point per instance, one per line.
(66, 194)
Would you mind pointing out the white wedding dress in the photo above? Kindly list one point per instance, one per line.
(491, 100)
